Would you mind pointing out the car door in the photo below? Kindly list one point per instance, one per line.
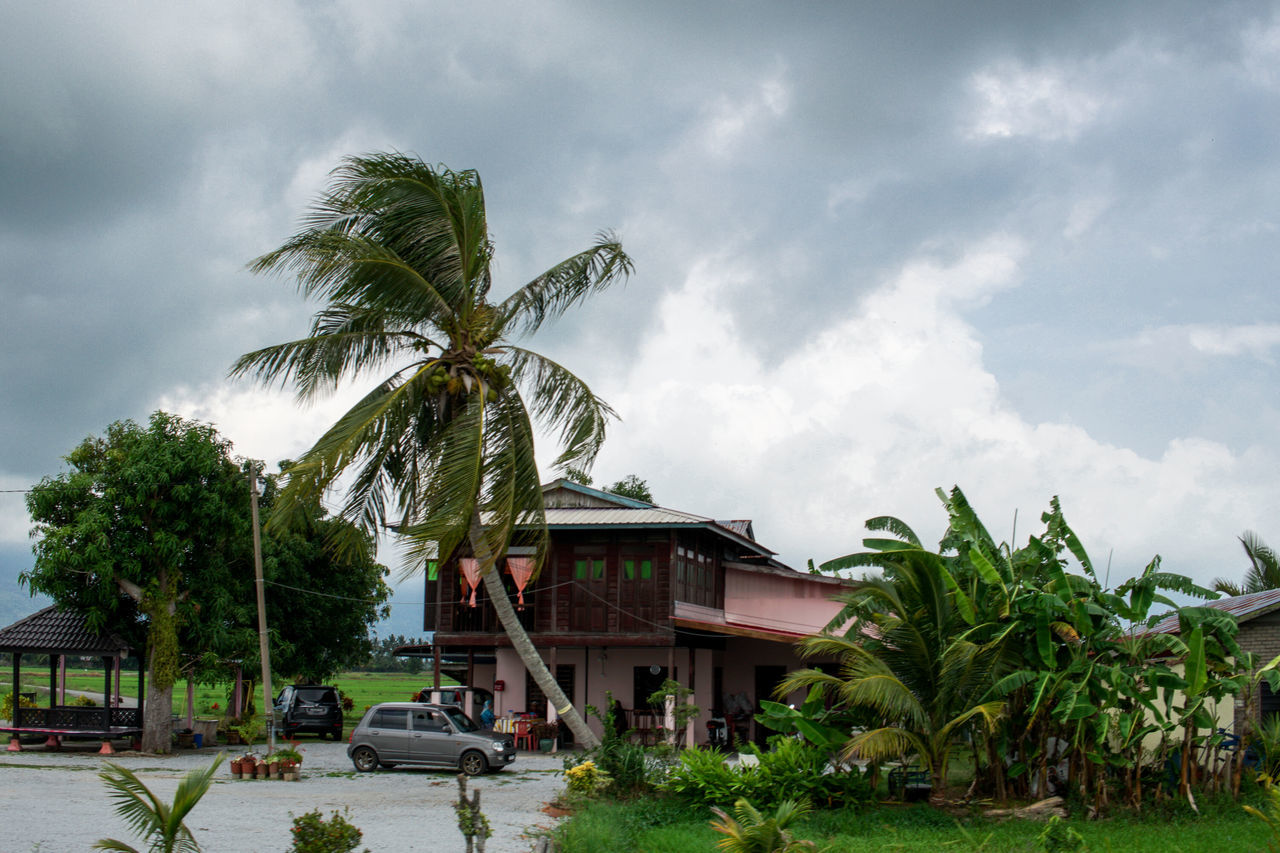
(283, 702)
(388, 734)
(432, 740)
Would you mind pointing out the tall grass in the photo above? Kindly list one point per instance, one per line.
(656, 825)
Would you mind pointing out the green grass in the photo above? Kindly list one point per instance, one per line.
(657, 826)
(364, 689)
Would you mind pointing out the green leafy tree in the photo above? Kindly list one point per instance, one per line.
(442, 447)
(148, 534)
(142, 521)
(162, 824)
(633, 487)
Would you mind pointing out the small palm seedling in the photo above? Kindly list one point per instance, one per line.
(160, 824)
(751, 832)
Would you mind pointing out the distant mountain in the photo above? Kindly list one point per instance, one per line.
(15, 601)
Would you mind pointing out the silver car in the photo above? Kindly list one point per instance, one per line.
(430, 735)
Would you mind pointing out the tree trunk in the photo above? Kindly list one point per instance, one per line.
(520, 641)
(157, 716)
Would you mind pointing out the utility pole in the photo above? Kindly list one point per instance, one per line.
(264, 652)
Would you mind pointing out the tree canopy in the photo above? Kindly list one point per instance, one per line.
(148, 535)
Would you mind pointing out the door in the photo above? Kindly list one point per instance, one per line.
(388, 734)
(431, 740)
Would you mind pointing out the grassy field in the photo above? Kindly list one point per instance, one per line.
(654, 826)
(364, 689)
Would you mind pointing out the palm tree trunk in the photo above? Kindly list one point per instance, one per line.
(520, 641)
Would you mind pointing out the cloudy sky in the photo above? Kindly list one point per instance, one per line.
(1029, 249)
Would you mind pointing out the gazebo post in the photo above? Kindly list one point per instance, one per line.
(53, 679)
(15, 745)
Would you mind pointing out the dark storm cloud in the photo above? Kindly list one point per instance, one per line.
(148, 152)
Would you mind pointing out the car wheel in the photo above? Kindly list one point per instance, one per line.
(472, 763)
(365, 759)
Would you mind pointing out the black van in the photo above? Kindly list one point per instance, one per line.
(310, 708)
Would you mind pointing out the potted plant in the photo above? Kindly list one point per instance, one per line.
(248, 763)
(289, 760)
(249, 730)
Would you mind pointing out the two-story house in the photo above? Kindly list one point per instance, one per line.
(630, 593)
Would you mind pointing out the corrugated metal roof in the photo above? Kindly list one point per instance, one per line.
(740, 526)
(54, 631)
(570, 517)
(621, 515)
(1243, 607)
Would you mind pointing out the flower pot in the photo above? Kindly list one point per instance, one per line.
(545, 744)
(262, 770)
(236, 765)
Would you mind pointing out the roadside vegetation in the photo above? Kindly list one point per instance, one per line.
(977, 675)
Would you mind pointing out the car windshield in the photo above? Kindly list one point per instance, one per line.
(460, 721)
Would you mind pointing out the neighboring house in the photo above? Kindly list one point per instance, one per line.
(631, 593)
(1258, 615)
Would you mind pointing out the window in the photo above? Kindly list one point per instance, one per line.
(390, 718)
(581, 568)
(428, 721)
(629, 569)
(433, 570)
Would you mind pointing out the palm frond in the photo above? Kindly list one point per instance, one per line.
(560, 401)
(566, 284)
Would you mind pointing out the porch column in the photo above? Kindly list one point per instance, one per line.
(690, 729)
(62, 679)
(552, 714)
(237, 700)
(435, 666)
(191, 699)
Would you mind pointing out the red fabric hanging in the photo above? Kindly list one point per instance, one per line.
(470, 576)
(521, 569)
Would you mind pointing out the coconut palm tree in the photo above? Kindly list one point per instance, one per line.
(442, 447)
(1264, 568)
(912, 658)
(160, 823)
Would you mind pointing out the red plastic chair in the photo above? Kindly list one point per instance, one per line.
(524, 734)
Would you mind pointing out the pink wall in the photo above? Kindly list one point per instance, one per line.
(799, 605)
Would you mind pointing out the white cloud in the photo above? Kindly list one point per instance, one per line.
(1178, 343)
(728, 121)
(1260, 47)
(870, 414)
(1044, 103)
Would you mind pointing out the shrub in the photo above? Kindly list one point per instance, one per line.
(83, 702)
(586, 779)
(629, 767)
(313, 834)
(793, 770)
(6, 705)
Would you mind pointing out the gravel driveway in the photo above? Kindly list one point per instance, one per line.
(54, 801)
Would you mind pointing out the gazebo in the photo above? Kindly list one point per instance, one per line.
(59, 633)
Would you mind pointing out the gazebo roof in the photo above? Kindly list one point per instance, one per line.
(58, 632)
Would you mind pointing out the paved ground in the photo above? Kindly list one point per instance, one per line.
(54, 801)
